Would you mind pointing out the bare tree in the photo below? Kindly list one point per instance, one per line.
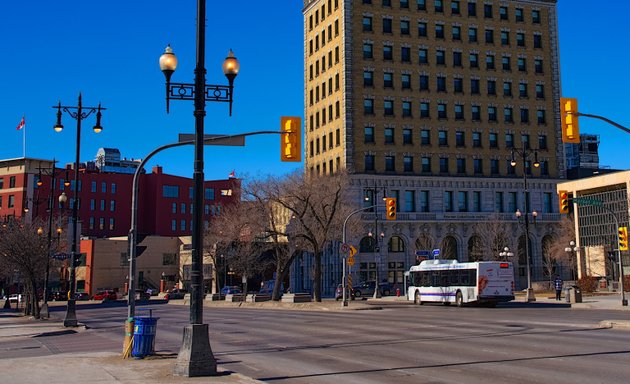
(490, 238)
(239, 231)
(24, 251)
(554, 252)
(317, 206)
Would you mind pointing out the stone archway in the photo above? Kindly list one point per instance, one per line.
(448, 250)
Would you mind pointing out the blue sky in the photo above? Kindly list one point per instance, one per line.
(109, 52)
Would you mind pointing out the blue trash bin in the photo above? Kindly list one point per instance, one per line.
(144, 336)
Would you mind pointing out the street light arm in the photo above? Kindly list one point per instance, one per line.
(604, 119)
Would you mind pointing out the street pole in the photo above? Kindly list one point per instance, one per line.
(44, 310)
(344, 302)
(81, 113)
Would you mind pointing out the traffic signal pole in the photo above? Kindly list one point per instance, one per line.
(578, 114)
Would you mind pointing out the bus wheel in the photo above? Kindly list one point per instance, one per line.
(459, 299)
(416, 299)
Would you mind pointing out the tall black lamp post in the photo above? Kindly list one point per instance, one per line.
(52, 172)
(78, 112)
(525, 154)
(195, 357)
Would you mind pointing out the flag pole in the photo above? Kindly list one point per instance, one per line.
(23, 139)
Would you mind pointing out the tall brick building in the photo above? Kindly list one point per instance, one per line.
(425, 100)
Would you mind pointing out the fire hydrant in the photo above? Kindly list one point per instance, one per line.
(397, 292)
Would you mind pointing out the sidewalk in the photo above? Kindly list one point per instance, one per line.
(94, 368)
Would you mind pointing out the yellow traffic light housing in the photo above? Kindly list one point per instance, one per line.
(623, 238)
(563, 199)
(390, 208)
(569, 118)
(291, 138)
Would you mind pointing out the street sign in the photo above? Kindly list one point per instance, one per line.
(61, 256)
(351, 260)
(353, 251)
(436, 252)
(345, 247)
(588, 201)
(423, 253)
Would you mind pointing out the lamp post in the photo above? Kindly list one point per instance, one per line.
(79, 113)
(506, 254)
(195, 357)
(529, 296)
(52, 172)
(572, 249)
(525, 154)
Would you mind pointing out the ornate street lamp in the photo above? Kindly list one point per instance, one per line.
(195, 357)
(79, 113)
(506, 254)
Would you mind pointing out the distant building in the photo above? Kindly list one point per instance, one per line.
(583, 158)
(108, 160)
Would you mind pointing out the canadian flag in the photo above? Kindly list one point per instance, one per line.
(22, 124)
(232, 175)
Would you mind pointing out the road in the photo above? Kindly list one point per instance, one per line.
(514, 343)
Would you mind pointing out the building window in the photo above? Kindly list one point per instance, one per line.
(448, 201)
(442, 139)
(493, 140)
(404, 27)
(368, 106)
(405, 54)
(103, 187)
(387, 25)
(540, 91)
(11, 201)
(455, 7)
(173, 225)
(542, 142)
(208, 194)
(490, 62)
(505, 38)
(92, 186)
(422, 29)
(102, 205)
(474, 86)
(389, 135)
(525, 115)
(459, 112)
(478, 166)
(439, 31)
(368, 78)
(522, 64)
(388, 52)
(472, 35)
(462, 201)
(423, 57)
(540, 116)
(456, 32)
(489, 33)
(410, 201)
(503, 13)
(474, 60)
(475, 113)
(405, 81)
(535, 16)
(406, 109)
(170, 191)
(440, 57)
(101, 223)
(498, 202)
(494, 166)
(461, 165)
(425, 137)
(439, 6)
(404, 4)
(492, 114)
(505, 63)
(457, 59)
(390, 163)
(369, 162)
(442, 111)
(113, 188)
(487, 11)
(368, 133)
(424, 201)
(460, 139)
(424, 110)
(182, 208)
(182, 225)
(388, 108)
(476, 137)
(91, 224)
(441, 84)
(492, 87)
(443, 164)
(509, 140)
(538, 66)
(518, 14)
(426, 164)
(422, 5)
(537, 41)
(388, 80)
(507, 115)
(507, 88)
(367, 24)
(424, 82)
(472, 9)
(408, 164)
(111, 223)
(458, 85)
(368, 51)
(112, 205)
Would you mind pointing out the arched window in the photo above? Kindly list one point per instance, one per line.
(449, 248)
(367, 244)
(396, 244)
(475, 249)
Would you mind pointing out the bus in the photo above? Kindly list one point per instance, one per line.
(448, 281)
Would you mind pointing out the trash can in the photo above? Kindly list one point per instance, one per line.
(144, 336)
(567, 294)
(577, 294)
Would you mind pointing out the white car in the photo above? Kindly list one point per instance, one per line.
(15, 297)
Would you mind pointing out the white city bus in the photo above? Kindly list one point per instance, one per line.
(448, 281)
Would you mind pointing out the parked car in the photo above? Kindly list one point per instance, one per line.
(142, 295)
(105, 295)
(175, 294)
(15, 297)
(81, 296)
(58, 296)
(231, 290)
(367, 288)
(339, 293)
(267, 287)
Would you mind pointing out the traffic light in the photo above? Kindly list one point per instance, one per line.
(390, 208)
(291, 139)
(623, 238)
(563, 199)
(569, 118)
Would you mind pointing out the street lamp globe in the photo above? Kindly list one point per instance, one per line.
(40, 231)
(231, 66)
(518, 213)
(63, 198)
(168, 62)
